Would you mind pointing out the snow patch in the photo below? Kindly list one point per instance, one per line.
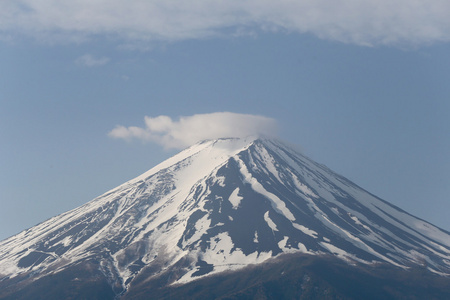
(201, 226)
(269, 222)
(305, 230)
(223, 255)
(302, 248)
(235, 199)
(255, 238)
(283, 244)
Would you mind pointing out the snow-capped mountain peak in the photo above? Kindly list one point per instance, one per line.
(222, 205)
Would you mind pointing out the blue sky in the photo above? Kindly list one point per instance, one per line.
(362, 90)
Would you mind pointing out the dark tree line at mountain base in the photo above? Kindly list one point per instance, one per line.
(297, 276)
(290, 276)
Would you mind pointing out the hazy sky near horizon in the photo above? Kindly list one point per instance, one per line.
(361, 87)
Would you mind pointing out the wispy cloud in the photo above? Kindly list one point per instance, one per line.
(367, 22)
(91, 61)
(188, 130)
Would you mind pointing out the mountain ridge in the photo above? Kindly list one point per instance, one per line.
(221, 205)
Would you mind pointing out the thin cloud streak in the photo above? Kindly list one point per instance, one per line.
(90, 61)
(371, 22)
(186, 131)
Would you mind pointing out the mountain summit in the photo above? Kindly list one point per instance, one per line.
(217, 206)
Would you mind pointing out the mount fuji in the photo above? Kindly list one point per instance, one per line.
(217, 208)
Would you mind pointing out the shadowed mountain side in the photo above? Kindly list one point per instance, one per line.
(298, 276)
(290, 276)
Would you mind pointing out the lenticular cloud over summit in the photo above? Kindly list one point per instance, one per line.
(188, 130)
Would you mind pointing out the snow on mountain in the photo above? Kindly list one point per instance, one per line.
(221, 205)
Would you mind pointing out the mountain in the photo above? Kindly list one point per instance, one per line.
(220, 207)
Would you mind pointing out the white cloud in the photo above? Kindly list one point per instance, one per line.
(355, 21)
(365, 22)
(188, 130)
(90, 61)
